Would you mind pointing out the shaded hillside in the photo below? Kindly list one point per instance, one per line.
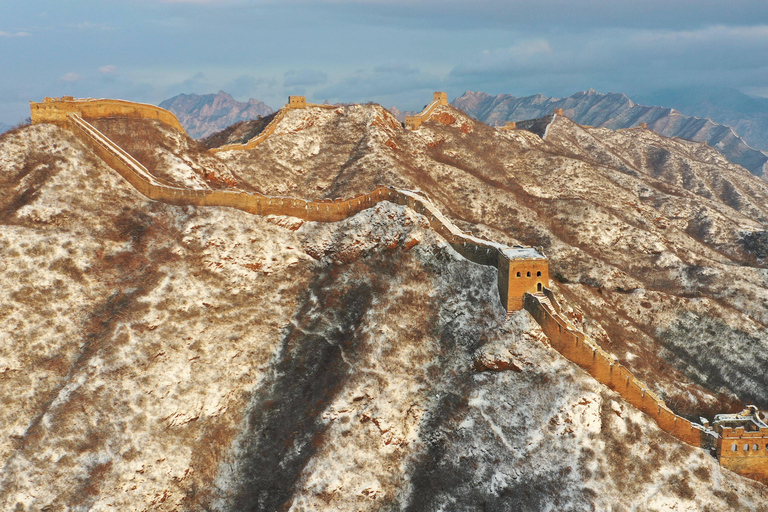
(202, 115)
(614, 111)
(188, 358)
(238, 133)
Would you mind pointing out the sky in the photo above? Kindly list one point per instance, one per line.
(392, 52)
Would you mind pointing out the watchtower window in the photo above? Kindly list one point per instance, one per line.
(518, 274)
(734, 447)
(529, 274)
(755, 447)
(746, 447)
(538, 274)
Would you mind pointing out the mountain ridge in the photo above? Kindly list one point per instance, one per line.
(614, 111)
(206, 114)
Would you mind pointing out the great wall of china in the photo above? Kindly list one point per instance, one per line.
(523, 273)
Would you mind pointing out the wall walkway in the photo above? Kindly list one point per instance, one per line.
(268, 130)
(56, 110)
(579, 348)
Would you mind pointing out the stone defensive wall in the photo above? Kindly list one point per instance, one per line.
(294, 102)
(577, 347)
(56, 110)
(475, 249)
(413, 122)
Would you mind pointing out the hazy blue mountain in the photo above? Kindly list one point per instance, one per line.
(746, 114)
(202, 115)
(614, 111)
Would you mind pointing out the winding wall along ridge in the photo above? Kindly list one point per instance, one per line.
(514, 293)
(268, 130)
(413, 122)
(478, 250)
(579, 348)
(565, 337)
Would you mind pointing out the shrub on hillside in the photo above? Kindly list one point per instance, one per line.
(756, 242)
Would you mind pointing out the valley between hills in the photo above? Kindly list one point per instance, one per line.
(160, 357)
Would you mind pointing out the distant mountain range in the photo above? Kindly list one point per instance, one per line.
(617, 111)
(745, 114)
(203, 115)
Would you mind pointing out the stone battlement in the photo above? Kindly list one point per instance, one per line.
(414, 122)
(582, 350)
(56, 110)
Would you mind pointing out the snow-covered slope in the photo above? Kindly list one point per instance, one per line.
(156, 357)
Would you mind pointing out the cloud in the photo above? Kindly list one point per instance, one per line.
(199, 2)
(108, 69)
(546, 14)
(87, 25)
(304, 77)
(71, 77)
(245, 86)
(14, 34)
(396, 69)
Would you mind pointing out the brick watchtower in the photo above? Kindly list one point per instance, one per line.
(742, 445)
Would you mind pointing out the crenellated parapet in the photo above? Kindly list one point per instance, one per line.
(605, 368)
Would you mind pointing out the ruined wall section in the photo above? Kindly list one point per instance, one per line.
(579, 348)
(56, 110)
